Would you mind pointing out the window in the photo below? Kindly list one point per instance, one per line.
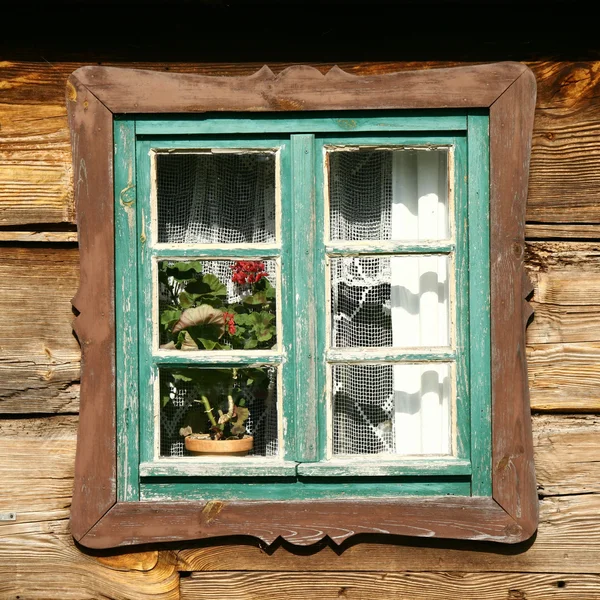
(346, 287)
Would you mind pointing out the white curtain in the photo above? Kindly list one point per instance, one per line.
(420, 302)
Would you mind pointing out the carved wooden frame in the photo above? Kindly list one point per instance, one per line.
(94, 96)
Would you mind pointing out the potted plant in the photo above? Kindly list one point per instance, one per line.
(199, 312)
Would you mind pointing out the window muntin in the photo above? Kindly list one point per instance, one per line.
(302, 452)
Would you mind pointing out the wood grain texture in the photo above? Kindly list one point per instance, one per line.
(34, 137)
(38, 558)
(40, 561)
(36, 469)
(298, 88)
(59, 237)
(95, 486)
(567, 454)
(513, 473)
(35, 170)
(304, 523)
(564, 377)
(566, 297)
(580, 231)
(39, 357)
(400, 586)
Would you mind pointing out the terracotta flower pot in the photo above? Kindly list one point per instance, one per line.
(208, 447)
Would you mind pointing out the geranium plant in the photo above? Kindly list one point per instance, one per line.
(196, 315)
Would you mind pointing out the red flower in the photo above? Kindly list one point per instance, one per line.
(229, 322)
(248, 271)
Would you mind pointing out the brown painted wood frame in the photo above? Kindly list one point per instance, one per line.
(94, 95)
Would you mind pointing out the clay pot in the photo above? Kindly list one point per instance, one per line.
(208, 447)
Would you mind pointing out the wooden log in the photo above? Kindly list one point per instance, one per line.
(37, 468)
(540, 231)
(401, 586)
(35, 171)
(566, 299)
(564, 377)
(59, 237)
(567, 451)
(39, 356)
(35, 177)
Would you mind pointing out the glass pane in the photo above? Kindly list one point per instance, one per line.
(217, 304)
(399, 301)
(244, 400)
(224, 198)
(395, 409)
(398, 195)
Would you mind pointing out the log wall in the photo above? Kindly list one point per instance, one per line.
(39, 371)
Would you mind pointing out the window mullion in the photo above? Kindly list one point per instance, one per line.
(303, 316)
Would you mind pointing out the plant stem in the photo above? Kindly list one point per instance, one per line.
(209, 411)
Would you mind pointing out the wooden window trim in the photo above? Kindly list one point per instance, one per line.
(94, 96)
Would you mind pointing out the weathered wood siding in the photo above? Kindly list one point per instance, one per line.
(39, 367)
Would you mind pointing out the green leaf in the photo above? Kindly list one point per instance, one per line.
(169, 317)
(198, 288)
(255, 299)
(263, 335)
(184, 270)
(203, 315)
(186, 300)
(210, 344)
(215, 285)
(242, 319)
(188, 343)
(262, 325)
(269, 290)
(251, 343)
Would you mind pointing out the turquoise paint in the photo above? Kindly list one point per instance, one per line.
(365, 121)
(204, 358)
(479, 302)
(387, 247)
(305, 489)
(148, 374)
(246, 467)
(126, 295)
(386, 467)
(301, 163)
(257, 252)
(305, 304)
(463, 333)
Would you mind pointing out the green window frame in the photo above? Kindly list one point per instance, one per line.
(304, 470)
(122, 495)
